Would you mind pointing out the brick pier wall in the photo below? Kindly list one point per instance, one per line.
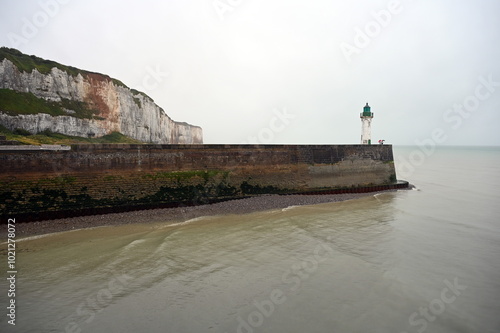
(96, 178)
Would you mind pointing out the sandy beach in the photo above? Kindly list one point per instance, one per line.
(178, 214)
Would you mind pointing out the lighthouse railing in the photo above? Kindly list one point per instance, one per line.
(362, 114)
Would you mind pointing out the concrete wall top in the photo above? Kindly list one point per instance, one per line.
(79, 147)
(122, 146)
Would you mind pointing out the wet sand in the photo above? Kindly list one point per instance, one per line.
(178, 214)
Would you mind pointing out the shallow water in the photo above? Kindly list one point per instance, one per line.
(425, 260)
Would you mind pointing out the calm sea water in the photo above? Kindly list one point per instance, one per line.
(424, 260)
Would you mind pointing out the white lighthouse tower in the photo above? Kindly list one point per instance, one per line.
(366, 125)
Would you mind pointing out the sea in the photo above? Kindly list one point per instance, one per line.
(408, 261)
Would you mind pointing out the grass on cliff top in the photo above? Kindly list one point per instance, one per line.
(51, 138)
(27, 63)
(14, 103)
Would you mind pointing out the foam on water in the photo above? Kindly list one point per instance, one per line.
(289, 208)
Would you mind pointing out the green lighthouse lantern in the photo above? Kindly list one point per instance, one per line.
(366, 111)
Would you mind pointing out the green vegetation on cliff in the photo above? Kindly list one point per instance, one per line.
(13, 103)
(27, 63)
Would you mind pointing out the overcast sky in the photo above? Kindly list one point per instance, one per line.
(287, 71)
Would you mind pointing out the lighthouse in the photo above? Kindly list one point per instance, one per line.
(366, 125)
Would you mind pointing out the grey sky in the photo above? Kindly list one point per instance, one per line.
(286, 71)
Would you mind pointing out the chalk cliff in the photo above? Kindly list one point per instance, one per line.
(81, 103)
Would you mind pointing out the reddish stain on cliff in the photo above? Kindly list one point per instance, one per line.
(94, 95)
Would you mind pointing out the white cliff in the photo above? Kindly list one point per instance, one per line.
(119, 109)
